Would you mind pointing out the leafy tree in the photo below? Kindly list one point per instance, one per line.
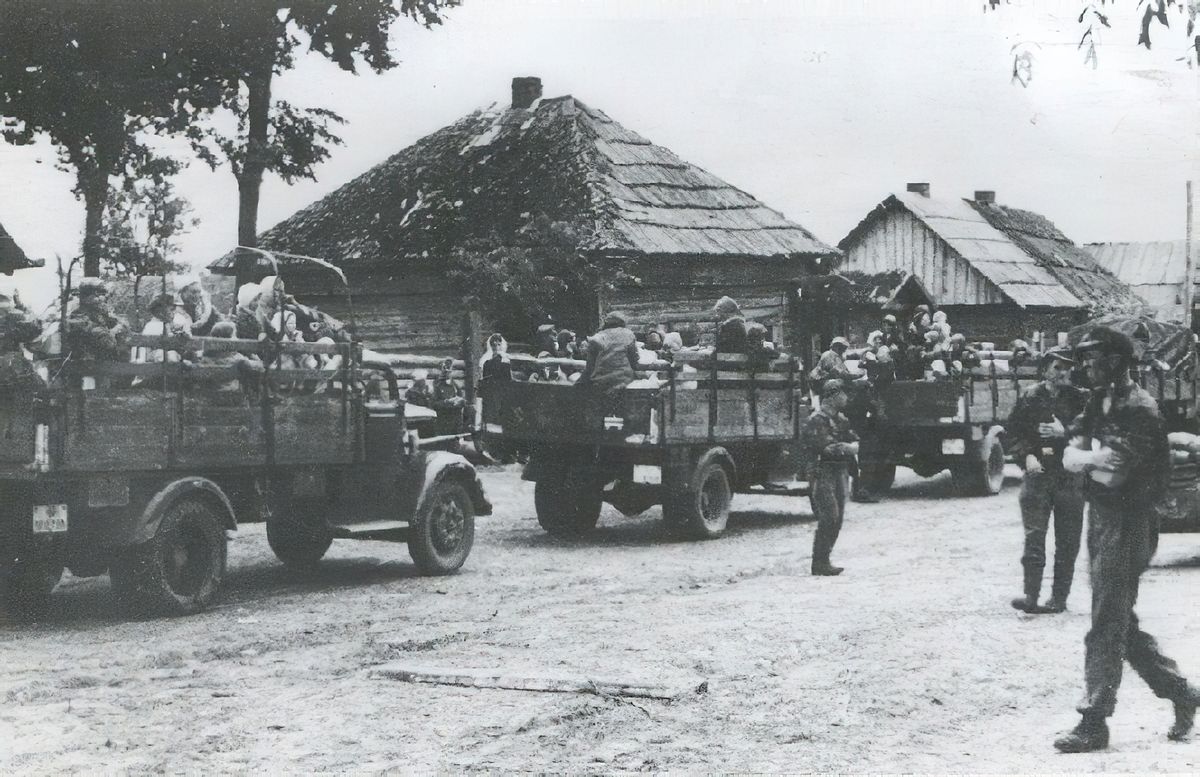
(93, 78)
(541, 272)
(143, 221)
(1094, 14)
(247, 43)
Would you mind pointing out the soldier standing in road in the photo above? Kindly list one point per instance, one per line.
(831, 446)
(1120, 443)
(1037, 434)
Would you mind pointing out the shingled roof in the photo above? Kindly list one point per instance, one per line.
(490, 172)
(1022, 253)
(11, 256)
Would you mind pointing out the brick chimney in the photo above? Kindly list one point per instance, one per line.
(919, 188)
(525, 89)
(985, 195)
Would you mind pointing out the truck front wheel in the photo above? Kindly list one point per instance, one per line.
(443, 531)
(567, 506)
(179, 570)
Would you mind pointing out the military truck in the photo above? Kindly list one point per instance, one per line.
(716, 424)
(140, 470)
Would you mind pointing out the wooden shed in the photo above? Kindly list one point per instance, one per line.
(676, 236)
(1155, 270)
(997, 271)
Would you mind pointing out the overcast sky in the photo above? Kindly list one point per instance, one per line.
(819, 109)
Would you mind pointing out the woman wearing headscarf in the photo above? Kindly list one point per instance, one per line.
(197, 305)
(165, 320)
(245, 315)
(612, 356)
(496, 366)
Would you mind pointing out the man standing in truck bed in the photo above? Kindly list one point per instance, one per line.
(1037, 436)
(1120, 443)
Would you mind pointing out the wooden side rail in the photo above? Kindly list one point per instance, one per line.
(224, 345)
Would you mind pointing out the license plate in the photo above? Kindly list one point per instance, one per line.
(954, 447)
(49, 519)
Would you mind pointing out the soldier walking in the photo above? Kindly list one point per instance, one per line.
(1127, 467)
(1037, 431)
(831, 446)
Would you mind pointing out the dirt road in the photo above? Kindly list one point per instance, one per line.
(911, 661)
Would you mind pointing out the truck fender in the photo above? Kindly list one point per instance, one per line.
(429, 468)
(151, 517)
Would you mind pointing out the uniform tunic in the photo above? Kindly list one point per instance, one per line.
(1053, 490)
(1122, 536)
(823, 437)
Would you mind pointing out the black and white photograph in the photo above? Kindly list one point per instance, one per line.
(599, 386)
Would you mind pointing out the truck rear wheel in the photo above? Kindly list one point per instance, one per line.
(179, 570)
(983, 474)
(567, 506)
(443, 531)
(701, 510)
(29, 586)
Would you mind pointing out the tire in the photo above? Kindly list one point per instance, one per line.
(179, 570)
(983, 475)
(297, 539)
(701, 510)
(877, 477)
(29, 586)
(443, 531)
(567, 506)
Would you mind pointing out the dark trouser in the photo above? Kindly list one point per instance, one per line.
(1121, 540)
(829, 488)
(1041, 494)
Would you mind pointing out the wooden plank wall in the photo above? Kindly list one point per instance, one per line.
(429, 323)
(675, 307)
(900, 241)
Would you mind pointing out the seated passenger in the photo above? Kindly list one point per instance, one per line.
(198, 307)
(165, 320)
(731, 326)
(419, 394)
(245, 315)
(94, 332)
(248, 369)
(17, 325)
(832, 363)
(612, 356)
(760, 350)
(672, 344)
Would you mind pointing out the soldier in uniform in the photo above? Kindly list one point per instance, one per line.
(94, 332)
(1037, 435)
(1120, 443)
(831, 446)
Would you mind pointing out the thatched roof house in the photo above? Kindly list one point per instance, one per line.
(998, 268)
(1154, 270)
(494, 173)
(12, 258)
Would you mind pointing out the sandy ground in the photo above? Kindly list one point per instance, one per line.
(911, 661)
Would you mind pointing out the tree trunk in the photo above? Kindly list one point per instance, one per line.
(257, 153)
(94, 187)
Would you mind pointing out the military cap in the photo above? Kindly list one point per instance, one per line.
(1057, 353)
(1107, 340)
(831, 387)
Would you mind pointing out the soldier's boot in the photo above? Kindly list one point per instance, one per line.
(826, 570)
(1058, 595)
(1185, 716)
(1033, 586)
(1091, 734)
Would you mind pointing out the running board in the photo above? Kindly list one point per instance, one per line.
(395, 531)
